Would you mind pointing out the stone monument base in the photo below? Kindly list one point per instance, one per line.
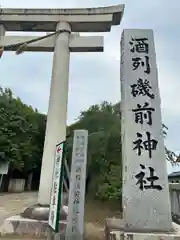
(41, 212)
(19, 226)
(33, 221)
(116, 230)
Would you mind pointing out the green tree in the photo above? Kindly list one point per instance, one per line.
(170, 155)
(21, 128)
(104, 148)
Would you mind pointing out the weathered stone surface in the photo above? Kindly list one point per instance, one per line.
(12, 204)
(18, 226)
(115, 230)
(146, 203)
(75, 218)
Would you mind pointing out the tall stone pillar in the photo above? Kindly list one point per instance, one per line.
(57, 112)
(146, 202)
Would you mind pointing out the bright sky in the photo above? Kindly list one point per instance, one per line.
(95, 77)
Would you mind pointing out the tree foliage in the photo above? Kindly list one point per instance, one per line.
(21, 133)
(104, 148)
(170, 155)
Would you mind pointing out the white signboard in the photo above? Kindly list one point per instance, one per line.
(145, 190)
(75, 225)
(56, 188)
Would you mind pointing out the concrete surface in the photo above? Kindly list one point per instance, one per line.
(15, 203)
(25, 227)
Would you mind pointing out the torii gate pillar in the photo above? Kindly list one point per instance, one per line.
(57, 112)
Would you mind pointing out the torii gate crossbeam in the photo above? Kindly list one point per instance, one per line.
(77, 43)
(45, 20)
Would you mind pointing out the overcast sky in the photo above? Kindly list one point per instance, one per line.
(95, 77)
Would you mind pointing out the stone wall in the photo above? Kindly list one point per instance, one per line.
(16, 185)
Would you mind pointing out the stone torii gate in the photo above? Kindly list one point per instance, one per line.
(64, 21)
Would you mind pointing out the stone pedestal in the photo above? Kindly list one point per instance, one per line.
(18, 226)
(41, 212)
(115, 229)
(33, 222)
